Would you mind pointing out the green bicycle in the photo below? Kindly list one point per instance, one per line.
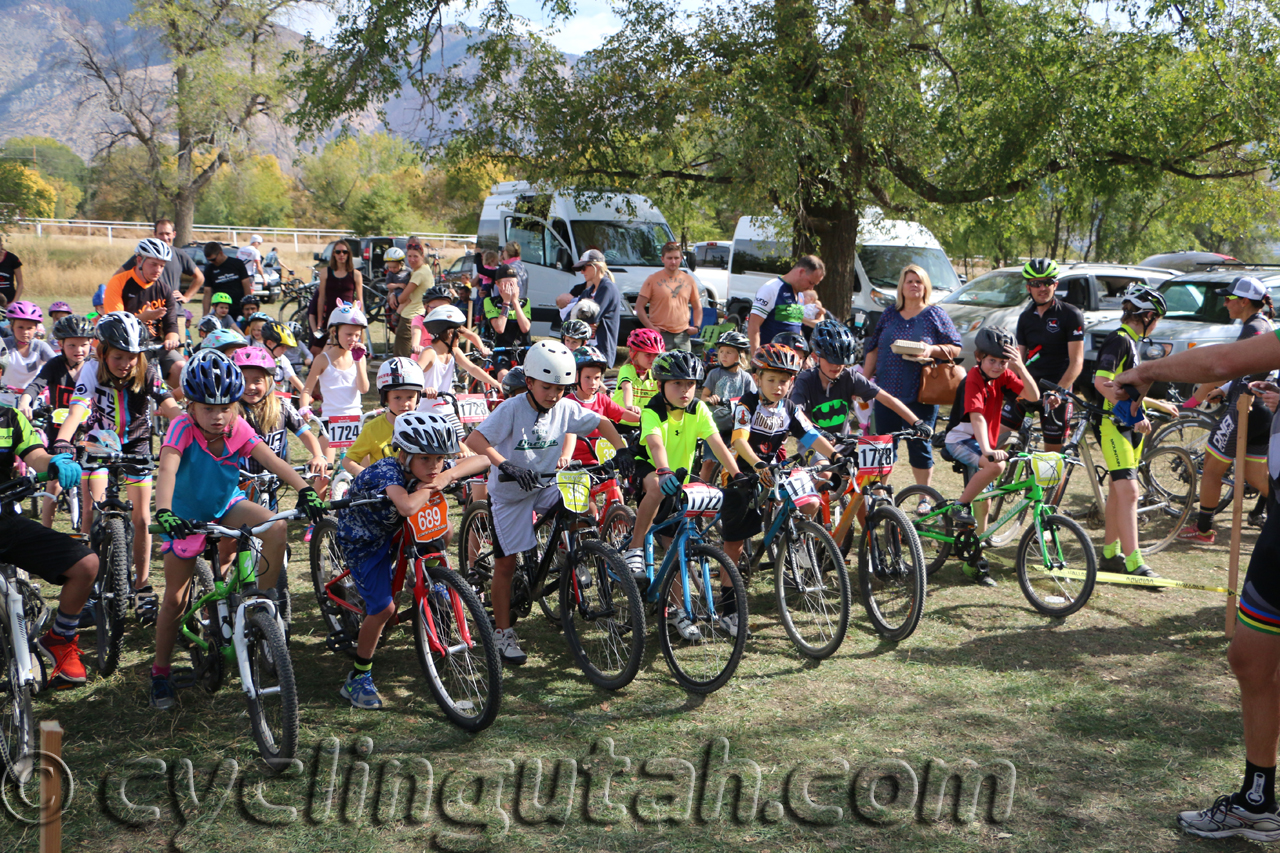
(1055, 560)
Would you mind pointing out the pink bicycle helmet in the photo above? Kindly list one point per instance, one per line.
(646, 340)
(60, 306)
(24, 310)
(254, 357)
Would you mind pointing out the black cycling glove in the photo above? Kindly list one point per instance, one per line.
(173, 526)
(523, 477)
(312, 505)
(922, 429)
(625, 463)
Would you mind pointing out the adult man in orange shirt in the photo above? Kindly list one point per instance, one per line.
(665, 298)
(143, 292)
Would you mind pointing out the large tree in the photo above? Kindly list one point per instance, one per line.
(820, 108)
(191, 80)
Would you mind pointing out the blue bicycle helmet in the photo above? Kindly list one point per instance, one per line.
(213, 379)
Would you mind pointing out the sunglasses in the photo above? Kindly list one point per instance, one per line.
(341, 252)
(1042, 284)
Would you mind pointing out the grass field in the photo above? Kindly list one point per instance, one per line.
(1114, 719)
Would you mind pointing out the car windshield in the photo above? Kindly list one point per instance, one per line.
(623, 243)
(1195, 300)
(883, 265)
(993, 290)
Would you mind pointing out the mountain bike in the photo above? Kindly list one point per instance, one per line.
(454, 640)
(233, 625)
(263, 489)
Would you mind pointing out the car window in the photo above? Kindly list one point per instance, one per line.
(1195, 300)
(1113, 286)
(623, 243)
(999, 289)
(883, 265)
(531, 235)
(761, 256)
(1074, 290)
(713, 257)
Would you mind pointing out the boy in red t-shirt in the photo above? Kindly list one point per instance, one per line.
(591, 367)
(974, 440)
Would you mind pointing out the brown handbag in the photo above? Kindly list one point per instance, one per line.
(939, 381)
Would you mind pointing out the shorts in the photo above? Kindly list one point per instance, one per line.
(966, 451)
(513, 520)
(186, 548)
(34, 548)
(739, 518)
(373, 577)
(128, 476)
(167, 360)
(1222, 441)
(1259, 606)
(709, 455)
(919, 450)
(1053, 424)
(1121, 448)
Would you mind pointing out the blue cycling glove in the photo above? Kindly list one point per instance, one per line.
(668, 481)
(1129, 412)
(67, 470)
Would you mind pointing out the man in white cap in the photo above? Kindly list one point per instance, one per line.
(252, 258)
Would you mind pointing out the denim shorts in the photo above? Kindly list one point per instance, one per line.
(966, 450)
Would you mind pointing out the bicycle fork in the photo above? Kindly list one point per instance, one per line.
(16, 614)
(241, 645)
(459, 619)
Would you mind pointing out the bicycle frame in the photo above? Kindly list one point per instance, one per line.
(1034, 496)
(15, 616)
(682, 531)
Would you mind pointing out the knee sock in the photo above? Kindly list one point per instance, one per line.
(1204, 520)
(1111, 549)
(1258, 792)
(65, 626)
(1134, 560)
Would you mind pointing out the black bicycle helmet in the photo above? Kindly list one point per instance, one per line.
(1040, 269)
(676, 365)
(777, 357)
(122, 330)
(438, 291)
(993, 339)
(513, 382)
(575, 329)
(833, 341)
(73, 326)
(590, 357)
(734, 338)
(795, 340)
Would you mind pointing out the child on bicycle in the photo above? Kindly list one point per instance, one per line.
(278, 340)
(636, 385)
(419, 467)
(574, 334)
(725, 383)
(797, 342)
(253, 329)
(224, 341)
(1121, 436)
(198, 480)
(400, 383)
(975, 439)
(25, 355)
(671, 424)
(591, 367)
(220, 306)
(113, 392)
(523, 438)
(438, 296)
(248, 307)
(57, 311)
(272, 419)
(339, 370)
(441, 360)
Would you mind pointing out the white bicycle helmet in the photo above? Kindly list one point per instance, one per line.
(122, 330)
(422, 432)
(154, 247)
(400, 373)
(347, 313)
(551, 362)
(395, 253)
(444, 318)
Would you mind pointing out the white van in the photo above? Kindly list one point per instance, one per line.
(761, 251)
(711, 264)
(553, 231)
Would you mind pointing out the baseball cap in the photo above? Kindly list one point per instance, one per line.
(256, 238)
(1247, 286)
(224, 298)
(590, 256)
(505, 271)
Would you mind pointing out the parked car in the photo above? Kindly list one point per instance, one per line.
(1197, 317)
(998, 297)
(1188, 261)
(710, 260)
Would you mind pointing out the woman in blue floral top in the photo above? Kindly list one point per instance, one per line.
(911, 319)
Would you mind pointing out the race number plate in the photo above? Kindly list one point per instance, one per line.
(875, 455)
(800, 487)
(60, 415)
(702, 501)
(605, 450)
(472, 408)
(575, 489)
(432, 521)
(343, 430)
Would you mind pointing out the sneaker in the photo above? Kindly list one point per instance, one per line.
(306, 537)
(1143, 571)
(960, 514)
(924, 507)
(1112, 564)
(684, 627)
(728, 608)
(635, 562)
(1191, 533)
(509, 647)
(162, 695)
(359, 690)
(1257, 518)
(1224, 818)
(63, 655)
(981, 577)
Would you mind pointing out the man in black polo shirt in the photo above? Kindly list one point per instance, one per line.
(1051, 337)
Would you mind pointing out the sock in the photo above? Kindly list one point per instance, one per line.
(162, 671)
(1204, 520)
(363, 664)
(1111, 549)
(65, 626)
(1258, 792)
(1134, 560)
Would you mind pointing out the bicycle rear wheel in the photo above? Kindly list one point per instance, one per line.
(17, 725)
(1169, 494)
(1061, 544)
(327, 563)
(457, 651)
(617, 526)
(811, 583)
(934, 550)
(602, 615)
(111, 603)
(891, 573)
(705, 664)
(475, 546)
(273, 709)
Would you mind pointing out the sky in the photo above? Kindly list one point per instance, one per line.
(593, 23)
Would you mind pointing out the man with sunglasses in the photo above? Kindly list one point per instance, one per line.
(1050, 335)
(225, 274)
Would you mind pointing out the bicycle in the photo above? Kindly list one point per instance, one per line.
(45, 420)
(232, 624)
(455, 643)
(1048, 568)
(600, 609)
(264, 489)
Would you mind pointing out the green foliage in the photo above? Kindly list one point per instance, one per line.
(126, 185)
(253, 192)
(23, 193)
(49, 157)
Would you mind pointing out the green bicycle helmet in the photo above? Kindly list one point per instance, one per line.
(1040, 269)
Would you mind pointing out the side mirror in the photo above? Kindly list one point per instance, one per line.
(690, 261)
(315, 256)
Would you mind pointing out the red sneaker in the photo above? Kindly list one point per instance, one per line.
(63, 655)
(1191, 533)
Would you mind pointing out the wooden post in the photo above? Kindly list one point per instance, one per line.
(51, 787)
(1237, 505)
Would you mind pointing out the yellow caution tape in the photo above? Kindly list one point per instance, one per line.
(1138, 580)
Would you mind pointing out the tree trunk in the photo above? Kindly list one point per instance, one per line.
(184, 214)
(837, 244)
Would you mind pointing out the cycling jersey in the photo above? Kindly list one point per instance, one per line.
(206, 486)
(1045, 338)
(778, 303)
(1222, 442)
(642, 390)
(277, 439)
(58, 378)
(21, 369)
(1121, 447)
(373, 441)
(767, 425)
(510, 336)
(17, 439)
(1119, 353)
(126, 292)
(679, 431)
(828, 405)
(124, 412)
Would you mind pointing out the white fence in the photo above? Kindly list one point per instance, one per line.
(233, 233)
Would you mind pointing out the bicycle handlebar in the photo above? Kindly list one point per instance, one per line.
(112, 459)
(233, 533)
(574, 465)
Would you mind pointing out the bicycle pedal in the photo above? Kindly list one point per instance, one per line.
(182, 678)
(340, 641)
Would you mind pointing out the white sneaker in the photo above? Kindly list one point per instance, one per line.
(685, 628)
(635, 562)
(730, 624)
(509, 647)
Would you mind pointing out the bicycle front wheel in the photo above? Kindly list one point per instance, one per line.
(602, 615)
(891, 573)
(458, 651)
(811, 583)
(1045, 558)
(112, 598)
(17, 726)
(328, 563)
(1169, 494)
(704, 661)
(930, 530)
(475, 546)
(273, 707)
(616, 527)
